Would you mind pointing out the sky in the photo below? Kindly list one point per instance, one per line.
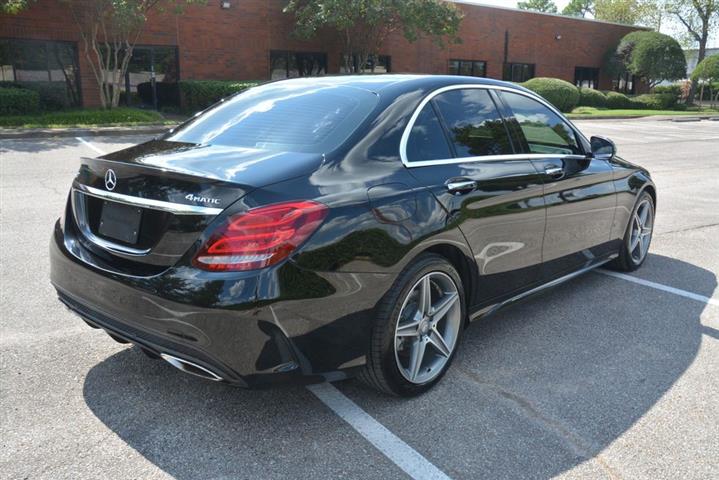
(669, 30)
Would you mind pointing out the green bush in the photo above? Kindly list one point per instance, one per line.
(15, 101)
(589, 97)
(53, 95)
(559, 93)
(655, 101)
(616, 101)
(116, 116)
(674, 89)
(197, 95)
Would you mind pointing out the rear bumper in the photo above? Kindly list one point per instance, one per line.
(251, 329)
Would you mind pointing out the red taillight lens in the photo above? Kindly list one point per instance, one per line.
(260, 237)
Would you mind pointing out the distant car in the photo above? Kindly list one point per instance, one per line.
(313, 229)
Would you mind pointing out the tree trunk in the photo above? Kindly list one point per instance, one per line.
(700, 56)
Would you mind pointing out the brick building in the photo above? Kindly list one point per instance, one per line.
(250, 40)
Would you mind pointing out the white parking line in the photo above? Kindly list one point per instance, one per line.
(391, 446)
(659, 286)
(89, 145)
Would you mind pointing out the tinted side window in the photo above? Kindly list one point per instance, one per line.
(426, 140)
(544, 130)
(473, 121)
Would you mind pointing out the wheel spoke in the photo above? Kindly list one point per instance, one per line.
(645, 245)
(409, 329)
(438, 342)
(425, 296)
(636, 237)
(415, 363)
(642, 214)
(442, 307)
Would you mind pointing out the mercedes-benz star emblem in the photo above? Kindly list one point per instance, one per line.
(110, 179)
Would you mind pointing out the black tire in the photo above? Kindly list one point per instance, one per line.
(382, 371)
(624, 262)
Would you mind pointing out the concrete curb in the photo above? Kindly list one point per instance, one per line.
(662, 118)
(19, 133)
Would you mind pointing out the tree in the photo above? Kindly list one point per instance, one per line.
(363, 25)
(547, 6)
(652, 56)
(12, 6)
(699, 18)
(619, 11)
(579, 8)
(109, 30)
(707, 72)
(630, 12)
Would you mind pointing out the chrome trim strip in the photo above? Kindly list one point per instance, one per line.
(179, 363)
(486, 158)
(493, 308)
(176, 208)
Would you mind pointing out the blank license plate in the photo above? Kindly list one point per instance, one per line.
(121, 222)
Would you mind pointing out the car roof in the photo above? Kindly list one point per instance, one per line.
(378, 82)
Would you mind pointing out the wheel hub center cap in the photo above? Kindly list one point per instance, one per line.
(424, 327)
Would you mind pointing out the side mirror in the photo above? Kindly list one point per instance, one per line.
(602, 147)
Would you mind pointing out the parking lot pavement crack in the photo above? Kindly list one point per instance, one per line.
(681, 230)
(577, 445)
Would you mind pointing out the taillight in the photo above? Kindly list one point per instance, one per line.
(260, 237)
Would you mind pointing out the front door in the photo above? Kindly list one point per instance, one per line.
(578, 189)
(459, 148)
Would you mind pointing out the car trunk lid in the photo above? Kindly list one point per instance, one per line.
(145, 206)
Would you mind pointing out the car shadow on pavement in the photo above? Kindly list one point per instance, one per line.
(535, 390)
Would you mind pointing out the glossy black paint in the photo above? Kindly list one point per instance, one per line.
(309, 318)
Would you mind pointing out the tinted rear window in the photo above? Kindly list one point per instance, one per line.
(286, 116)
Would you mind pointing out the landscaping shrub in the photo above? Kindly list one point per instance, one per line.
(616, 100)
(559, 93)
(589, 97)
(15, 101)
(197, 95)
(52, 95)
(124, 116)
(655, 101)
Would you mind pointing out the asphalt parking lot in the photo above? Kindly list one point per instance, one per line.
(601, 377)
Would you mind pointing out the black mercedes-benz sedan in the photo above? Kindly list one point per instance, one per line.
(313, 229)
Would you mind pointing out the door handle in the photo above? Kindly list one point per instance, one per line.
(554, 171)
(460, 186)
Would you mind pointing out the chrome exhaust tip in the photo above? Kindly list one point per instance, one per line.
(191, 368)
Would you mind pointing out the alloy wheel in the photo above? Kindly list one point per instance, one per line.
(428, 327)
(641, 234)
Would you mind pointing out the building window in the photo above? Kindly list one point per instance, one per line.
(469, 68)
(49, 67)
(518, 72)
(284, 64)
(145, 62)
(375, 64)
(586, 77)
(624, 82)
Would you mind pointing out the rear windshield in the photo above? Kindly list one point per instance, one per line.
(288, 116)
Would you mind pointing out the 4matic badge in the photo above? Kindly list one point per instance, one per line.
(207, 200)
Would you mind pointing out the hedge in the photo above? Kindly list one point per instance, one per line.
(589, 97)
(18, 100)
(655, 101)
(116, 116)
(559, 93)
(616, 100)
(197, 95)
(53, 95)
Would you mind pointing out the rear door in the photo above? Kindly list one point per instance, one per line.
(578, 189)
(460, 149)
